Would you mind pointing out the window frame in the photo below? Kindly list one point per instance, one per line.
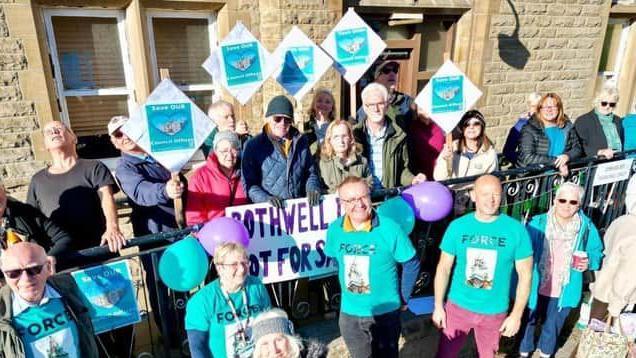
(212, 37)
(127, 90)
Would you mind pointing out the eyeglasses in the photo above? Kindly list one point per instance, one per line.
(472, 124)
(354, 201)
(278, 119)
(571, 202)
(236, 265)
(232, 151)
(30, 271)
(375, 105)
(605, 104)
(549, 108)
(388, 69)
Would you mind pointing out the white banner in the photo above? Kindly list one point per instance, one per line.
(287, 244)
(447, 96)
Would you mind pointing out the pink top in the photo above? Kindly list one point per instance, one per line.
(556, 264)
(427, 142)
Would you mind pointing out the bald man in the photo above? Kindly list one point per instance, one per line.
(485, 246)
(44, 313)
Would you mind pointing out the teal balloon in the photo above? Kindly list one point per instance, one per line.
(183, 265)
(399, 211)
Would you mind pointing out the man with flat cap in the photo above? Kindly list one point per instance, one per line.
(277, 164)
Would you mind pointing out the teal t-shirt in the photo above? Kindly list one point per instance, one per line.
(208, 311)
(485, 255)
(367, 265)
(629, 128)
(47, 331)
(556, 139)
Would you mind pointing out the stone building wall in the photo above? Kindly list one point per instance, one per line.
(19, 66)
(562, 40)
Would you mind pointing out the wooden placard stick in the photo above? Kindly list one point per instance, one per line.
(164, 73)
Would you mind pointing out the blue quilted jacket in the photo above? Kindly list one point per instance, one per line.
(266, 172)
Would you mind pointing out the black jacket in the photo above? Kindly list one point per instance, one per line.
(31, 225)
(534, 144)
(590, 132)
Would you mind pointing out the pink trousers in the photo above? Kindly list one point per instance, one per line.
(459, 322)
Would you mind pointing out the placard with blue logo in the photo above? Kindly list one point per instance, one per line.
(109, 290)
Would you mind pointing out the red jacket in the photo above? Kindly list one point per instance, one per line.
(210, 192)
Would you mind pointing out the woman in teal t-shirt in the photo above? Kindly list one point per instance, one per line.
(219, 317)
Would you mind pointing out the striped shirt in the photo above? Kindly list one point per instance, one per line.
(376, 143)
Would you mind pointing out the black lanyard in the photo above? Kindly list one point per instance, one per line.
(242, 328)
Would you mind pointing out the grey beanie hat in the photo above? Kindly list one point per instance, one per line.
(228, 136)
(272, 325)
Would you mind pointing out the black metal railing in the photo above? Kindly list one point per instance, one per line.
(527, 191)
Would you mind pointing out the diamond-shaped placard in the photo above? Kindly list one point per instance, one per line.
(353, 45)
(169, 126)
(240, 63)
(302, 63)
(447, 96)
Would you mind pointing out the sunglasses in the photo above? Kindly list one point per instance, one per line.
(117, 134)
(278, 119)
(388, 69)
(571, 202)
(31, 271)
(611, 104)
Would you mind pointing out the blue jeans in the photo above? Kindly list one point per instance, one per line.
(553, 319)
(375, 336)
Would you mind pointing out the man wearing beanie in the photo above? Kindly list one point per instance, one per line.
(277, 164)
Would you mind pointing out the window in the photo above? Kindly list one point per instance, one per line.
(181, 42)
(613, 49)
(92, 74)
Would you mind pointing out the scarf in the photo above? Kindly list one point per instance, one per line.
(567, 236)
(610, 131)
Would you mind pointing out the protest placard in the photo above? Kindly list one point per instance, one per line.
(288, 243)
(109, 290)
(169, 126)
(303, 63)
(353, 45)
(613, 172)
(240, 63)
(447, 96)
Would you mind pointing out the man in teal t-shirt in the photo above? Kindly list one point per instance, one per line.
(484, 247)
(368, 248)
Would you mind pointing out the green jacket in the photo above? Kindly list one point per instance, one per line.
(10, 343)
(395, 155)
(333, 171)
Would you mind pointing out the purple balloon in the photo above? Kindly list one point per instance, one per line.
(221, 230)
(430, 200)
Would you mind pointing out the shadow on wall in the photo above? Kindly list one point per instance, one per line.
(511, 50)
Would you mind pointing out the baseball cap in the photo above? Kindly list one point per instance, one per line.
(116, 123)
